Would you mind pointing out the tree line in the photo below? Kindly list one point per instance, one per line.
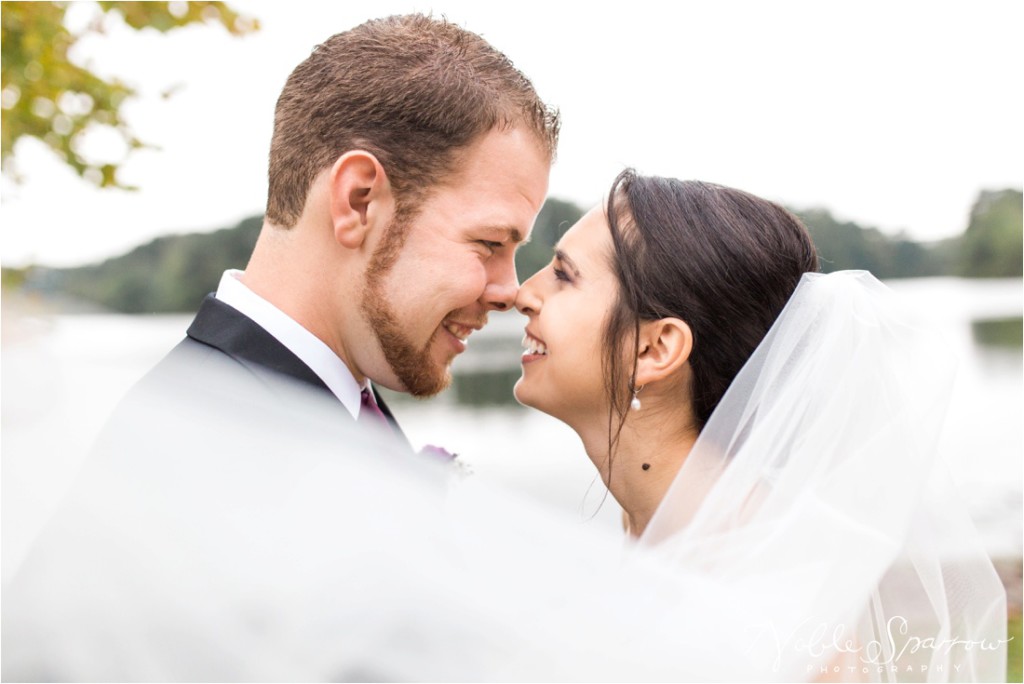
(174, 273)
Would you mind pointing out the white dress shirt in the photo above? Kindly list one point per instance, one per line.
(304, 344)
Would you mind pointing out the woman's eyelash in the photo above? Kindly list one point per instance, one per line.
(561, 275)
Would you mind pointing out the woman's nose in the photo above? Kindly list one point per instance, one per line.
(528, 299)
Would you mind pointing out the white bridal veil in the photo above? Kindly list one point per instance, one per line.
(817, 490)
(808, 536)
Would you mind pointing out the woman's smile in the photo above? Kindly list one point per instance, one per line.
(535, 349)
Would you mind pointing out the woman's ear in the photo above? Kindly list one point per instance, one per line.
(360, 197)
(665, 345)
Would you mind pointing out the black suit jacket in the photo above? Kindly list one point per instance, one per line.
(219, 335)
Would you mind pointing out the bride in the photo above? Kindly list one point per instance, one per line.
(765, 426)
(643, 319)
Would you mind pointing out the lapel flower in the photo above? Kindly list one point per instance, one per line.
(460, 468)
(437, 452)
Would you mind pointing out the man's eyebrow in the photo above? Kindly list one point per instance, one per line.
(564, 258)
(512, 234)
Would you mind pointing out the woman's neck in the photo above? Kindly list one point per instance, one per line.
(649, 453)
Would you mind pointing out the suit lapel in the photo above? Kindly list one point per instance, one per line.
(223, 327)
(387, 413)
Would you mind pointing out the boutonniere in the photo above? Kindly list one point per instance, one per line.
(444, 456)
(439, 453)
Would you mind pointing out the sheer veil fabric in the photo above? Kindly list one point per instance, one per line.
(808, 536)
(817, 488)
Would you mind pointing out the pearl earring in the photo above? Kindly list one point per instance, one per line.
(635, 404)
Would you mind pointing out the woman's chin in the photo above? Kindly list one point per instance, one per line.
(521, 394)
(540, 401)
(527, 396)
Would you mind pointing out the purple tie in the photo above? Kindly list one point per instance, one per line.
(370, 413)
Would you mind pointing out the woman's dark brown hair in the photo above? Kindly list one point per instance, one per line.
(722, 260)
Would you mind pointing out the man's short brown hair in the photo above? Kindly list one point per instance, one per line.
(411, 90)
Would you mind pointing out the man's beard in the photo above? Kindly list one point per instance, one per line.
(415, 369)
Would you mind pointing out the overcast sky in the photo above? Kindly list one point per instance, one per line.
(891, 114)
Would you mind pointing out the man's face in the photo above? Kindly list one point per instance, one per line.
(457, 262)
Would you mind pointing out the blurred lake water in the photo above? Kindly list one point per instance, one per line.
(63, 373)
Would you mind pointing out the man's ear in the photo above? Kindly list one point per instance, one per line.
(665, 345)
(360, 197)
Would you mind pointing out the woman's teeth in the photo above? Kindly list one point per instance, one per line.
(534, 346)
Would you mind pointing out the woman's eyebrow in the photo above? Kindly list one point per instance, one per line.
(564, 258)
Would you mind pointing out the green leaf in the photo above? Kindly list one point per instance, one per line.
(37, 70)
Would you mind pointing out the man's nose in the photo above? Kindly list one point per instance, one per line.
(502, 285)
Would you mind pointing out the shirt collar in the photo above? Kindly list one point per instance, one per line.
(310, 349)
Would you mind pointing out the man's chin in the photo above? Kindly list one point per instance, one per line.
(417, 371)
(431, 375)
(424, 388)
(426, 378)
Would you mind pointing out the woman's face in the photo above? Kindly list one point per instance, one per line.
(568, 303)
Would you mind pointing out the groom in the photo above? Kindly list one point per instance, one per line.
(408, 160)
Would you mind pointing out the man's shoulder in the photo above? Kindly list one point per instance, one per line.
(228, 370)
(211, 367)
(195, 387)
(192, 374)
(193, 364)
